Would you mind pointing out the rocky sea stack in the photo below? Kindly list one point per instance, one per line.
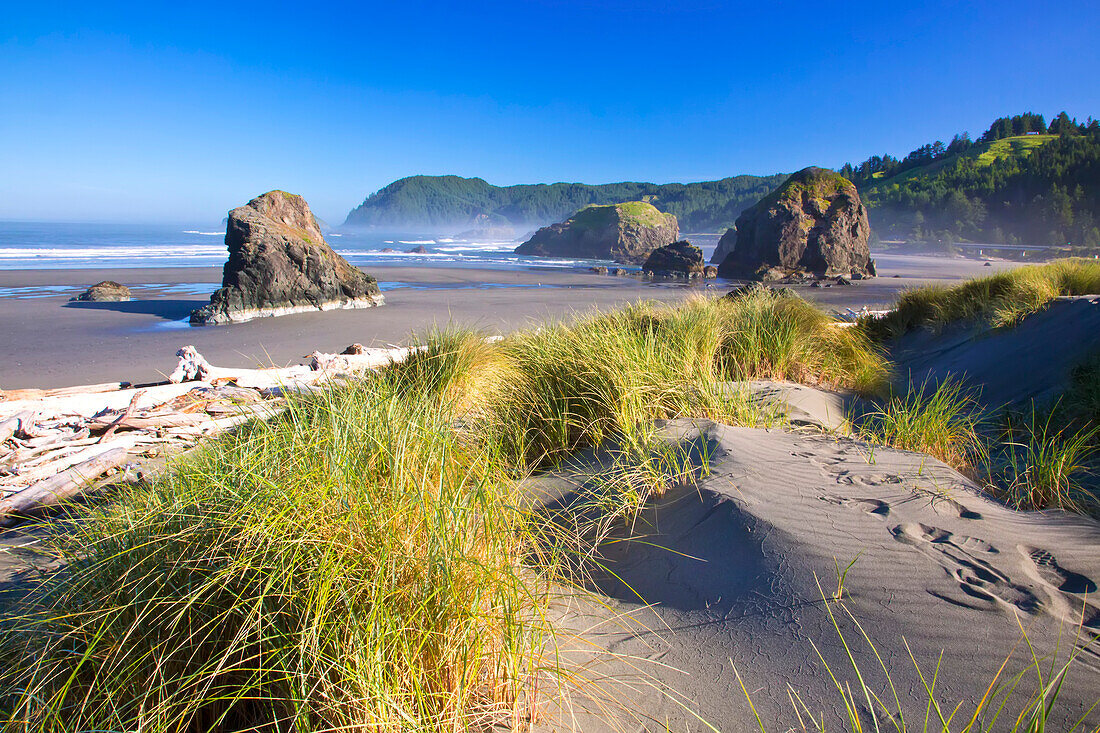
(107, 291)
(679, 259)
(814, 224)
(622, 232)
(279, 264)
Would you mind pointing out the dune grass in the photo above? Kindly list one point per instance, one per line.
(352, 564)
(1045, 456)
(1034, 459)
(1002, 299)
(366, 560)
(943, 422)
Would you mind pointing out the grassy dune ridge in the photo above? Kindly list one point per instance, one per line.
(366, 560)
(1003, 299)
(369, 560)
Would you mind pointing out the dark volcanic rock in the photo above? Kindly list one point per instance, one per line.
(418, 250)
(710, 272)
(812, 224)
(682, 259)
(104, 292)
(725, 246)
(621, 232)
(279, 263)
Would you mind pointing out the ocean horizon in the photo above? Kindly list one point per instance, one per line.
(31, 245)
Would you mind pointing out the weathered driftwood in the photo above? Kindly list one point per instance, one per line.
(45, 470)
(90, 405)
(12, 395)
(19, 424)
(125, 414)
(14, 424)
(49, 447)
(59, 487)
(193, 366)
(362, 360)
(153, 422)
(26, 455)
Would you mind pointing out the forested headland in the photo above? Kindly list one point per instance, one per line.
(454, 203)
(1022, 181)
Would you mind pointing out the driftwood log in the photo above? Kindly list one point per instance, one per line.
(54, 443)
(59, 487)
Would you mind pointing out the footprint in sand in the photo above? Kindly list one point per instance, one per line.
(1048, 571)
(952, 507)
(870, 506)
(874, 480)
(976, 577)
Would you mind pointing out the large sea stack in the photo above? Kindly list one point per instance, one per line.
(621, 232)
(279, 264)
(814, 224)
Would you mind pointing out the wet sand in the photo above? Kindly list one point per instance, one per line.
(48, 342)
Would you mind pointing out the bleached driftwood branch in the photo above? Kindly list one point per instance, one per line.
(53, 443)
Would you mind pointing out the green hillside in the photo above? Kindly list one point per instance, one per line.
(1011, 147)
(1021, 182)
(455, 203)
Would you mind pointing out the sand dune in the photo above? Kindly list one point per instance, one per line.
(726, 573)
(1013, 365)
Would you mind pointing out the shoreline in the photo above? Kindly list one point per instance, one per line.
(49, 342)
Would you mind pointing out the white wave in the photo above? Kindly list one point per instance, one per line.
(377, 254)
(415, 241)
(334, 234)
(444, 240)
(75, 253)
(205, 234)
(491, 247)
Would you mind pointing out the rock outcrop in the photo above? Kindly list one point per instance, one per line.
(679, 259)
(107, 291)
(814, 224)
(279, 264)
(725, 246)
(626, 232)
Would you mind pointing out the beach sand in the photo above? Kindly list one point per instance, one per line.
(48, 342)
(730, 574)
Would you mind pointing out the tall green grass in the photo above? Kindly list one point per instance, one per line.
(606, 376)
(366, 560)
(1002, 299)
(1037, 459)
(943, 422)
(352, 564)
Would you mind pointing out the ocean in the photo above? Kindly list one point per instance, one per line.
(52, 245)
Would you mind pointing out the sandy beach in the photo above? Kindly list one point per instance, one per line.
(49, 342)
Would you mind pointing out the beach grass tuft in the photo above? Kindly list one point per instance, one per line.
(941, 420)
(353, 563)
(1002, 299)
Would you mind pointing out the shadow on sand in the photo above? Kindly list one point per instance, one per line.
(166, 308)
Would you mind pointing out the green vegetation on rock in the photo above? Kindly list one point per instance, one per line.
(630, 212)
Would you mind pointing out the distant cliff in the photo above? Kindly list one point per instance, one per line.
(454, 203)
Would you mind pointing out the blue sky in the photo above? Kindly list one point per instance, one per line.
(145, 113)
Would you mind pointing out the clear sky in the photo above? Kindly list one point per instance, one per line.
(180, 111)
